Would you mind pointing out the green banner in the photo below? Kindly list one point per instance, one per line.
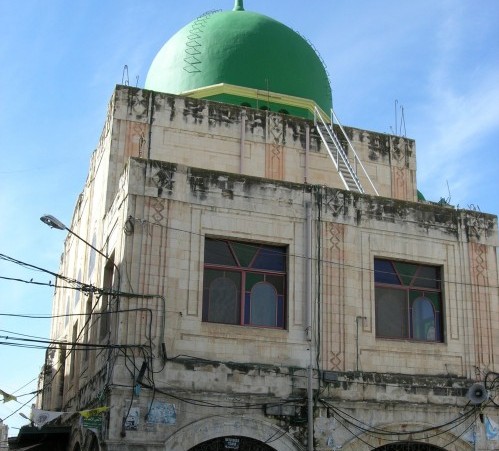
(93, 422)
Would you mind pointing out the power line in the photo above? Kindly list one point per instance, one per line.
(322, 261)
(17, 410)
(76, 345)
(393, 436)
(88, 288)
(25, 385)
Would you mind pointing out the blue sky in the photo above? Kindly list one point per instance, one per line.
(439, 60)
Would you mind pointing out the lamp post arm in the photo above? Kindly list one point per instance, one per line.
(87, 243)
(54, 223)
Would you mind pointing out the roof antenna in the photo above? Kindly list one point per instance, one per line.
(396, 130)
(238, 5)
(402, 121)
(124, 76)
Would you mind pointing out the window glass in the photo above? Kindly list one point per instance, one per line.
(406, 271)
(408, 301)
(244, 283)
(270, 257)
(427, 277)
(423, 320)
(223, 298)
(245, 253)
(263, 305)
(277, 282)
(253, 278)
(391, 313)
(218, 251)
(385, 273)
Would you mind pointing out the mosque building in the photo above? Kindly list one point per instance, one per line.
(245, 273)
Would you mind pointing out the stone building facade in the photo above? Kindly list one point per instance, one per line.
(240, 274)
(248, 301)
(4, 434)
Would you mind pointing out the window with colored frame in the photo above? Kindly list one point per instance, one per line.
(244, 283)
(408, 298)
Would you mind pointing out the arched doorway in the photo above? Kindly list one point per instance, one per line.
(409, 446)
(202, 434)
(232, 443)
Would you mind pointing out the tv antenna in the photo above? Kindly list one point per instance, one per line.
(399, 128)
(124, 77)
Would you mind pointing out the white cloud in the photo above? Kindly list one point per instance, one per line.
(459, 115)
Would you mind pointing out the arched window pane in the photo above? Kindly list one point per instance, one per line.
(423, 319)
(263, 305)
(223, 301)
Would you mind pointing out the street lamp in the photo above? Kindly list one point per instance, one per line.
(54, 223)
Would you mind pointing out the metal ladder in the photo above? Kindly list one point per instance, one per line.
(346, 171)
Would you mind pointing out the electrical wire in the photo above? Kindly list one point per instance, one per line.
(323, 261)
(76, 283)
(376, 432)
(175, 394)
(76, 345)
(355, 422)
(89, 288)
(457, 437)
(201, 360)
(17, 410)
(47, 385)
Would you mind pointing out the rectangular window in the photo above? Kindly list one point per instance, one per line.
(106, 298)
(86, 326)
(244, 283)
(408, 299)
(74, 337)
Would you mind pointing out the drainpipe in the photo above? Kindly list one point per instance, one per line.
(243, 138)
(308, 287)
(308, 269)
(307, 150)
(151, 120)
(357, 319)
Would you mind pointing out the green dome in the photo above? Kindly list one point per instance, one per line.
(241, 49)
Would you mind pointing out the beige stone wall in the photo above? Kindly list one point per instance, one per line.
(353, 231)
(159, 184)
(168, 240)
(227, 138)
